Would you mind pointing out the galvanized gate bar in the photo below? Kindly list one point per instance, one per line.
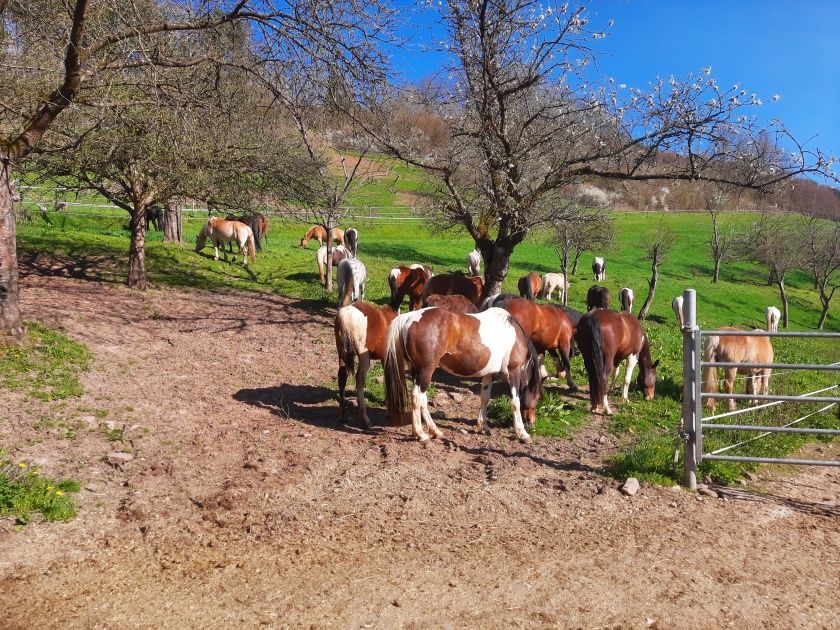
(763, 333)
(750, 427)
(831, 399)
(775, 366)
(774, 460)
(743, 410)
(690, 377)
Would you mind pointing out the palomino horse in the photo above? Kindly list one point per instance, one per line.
(605, 339)
(474, 263)
(737, 350)
(481, 344)
(550, 329)
(351, 242)
(455, 284)
(360, 331)
(553, 281)
(597, 297)
(258, 224)
(772, 316)
(320, 234)
(352, 277)
(454, 303)
(221, 231)
(530, 286)
(599, 269)
(626, 297)
(339, 253)
(408, 281)
(677, 305)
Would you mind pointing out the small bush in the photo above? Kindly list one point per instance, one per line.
(23, 492)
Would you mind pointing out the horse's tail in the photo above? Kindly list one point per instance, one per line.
(529, 289)
(351, 240)
(710, 351)
(589, 330)
(396, 388)
(532, 368)
(252, 249)
(344, 342)
(321, 259)
(345, 285)
(393, 278)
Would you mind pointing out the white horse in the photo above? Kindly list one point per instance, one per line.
(626, 297)
(772, 315)
(474, 263)
(677, 305)
(221, 231)
(599, 268)
(339, 253)
(351, 278)
(351, 242)
(553, 281)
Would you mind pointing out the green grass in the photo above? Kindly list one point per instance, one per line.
(557, 416)
(23, 492)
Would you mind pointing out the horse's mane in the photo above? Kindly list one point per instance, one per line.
(572, 313)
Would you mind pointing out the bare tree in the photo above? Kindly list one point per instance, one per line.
(587, 229)
(822, 257)
(657, 245)
(723, 240)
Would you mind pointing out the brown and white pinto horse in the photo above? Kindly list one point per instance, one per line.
(454, 303)
(737, 350)
(455, 284)
(408, 281)
(605, 339)
(626, 297)
(320, 234)
(482, 344)
(221, 231)
(530, 286)
(360, 331)
(598, 297)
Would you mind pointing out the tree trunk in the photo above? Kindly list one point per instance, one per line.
(137, 249)
(575, 263)
(496, 266)
(329, 278)
(11, 324)
(564, 269)
(783, 292)
(643, 313)
(717, 269)
(172, 223)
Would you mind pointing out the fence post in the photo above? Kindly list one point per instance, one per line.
(690, 424)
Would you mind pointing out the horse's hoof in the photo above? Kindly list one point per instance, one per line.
(525, 439)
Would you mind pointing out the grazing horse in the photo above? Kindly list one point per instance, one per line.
(455, 284)
(154, 218)
(408, 281)
(626, 297)
(352, 277)
(221, 231)
(605, 339)
(597, 297)
(599, 269)
(360, 331)
(474, 262)
(772, 315)
(553, 281)
(549, 327)
(253, 222)
(454, 303)
(339, 253)
(530, 286)
(480, 344)
(320, 234)
(737, 350)
(351, 242)
(677, 305)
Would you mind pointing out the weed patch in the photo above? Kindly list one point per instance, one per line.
(24, 492)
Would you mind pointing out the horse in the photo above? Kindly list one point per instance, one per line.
(254, 222)
(454, 303)
(599, 268)
(221, 231)
(549, 327)
(553, 281)
(605, 339)
(474, 262)
(597, 297)
(360, 331)
(154, 218)
(408, 281)
(772, 315)
(339, 253)
(626, 297)
(455, 283)
(320, 234)
(466, 345)
(737, 350)
(351, 242)
(677, 305)
(351, 278)
(530, 286)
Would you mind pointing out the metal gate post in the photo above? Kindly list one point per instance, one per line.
(691, 378)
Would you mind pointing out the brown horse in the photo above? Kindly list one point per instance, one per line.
(530, 286)
(220, 231)
(320, 234)
(482, 344)
(454, 303)
(360, 331)
(737, 350)
(408, 281)
(455, 284)
(605, 339)
(257, 222)
(597, 297)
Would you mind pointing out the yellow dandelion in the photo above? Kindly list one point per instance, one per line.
(49, 488)
(21, 465)
(59, 493)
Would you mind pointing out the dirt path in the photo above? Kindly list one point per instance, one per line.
(245, 504)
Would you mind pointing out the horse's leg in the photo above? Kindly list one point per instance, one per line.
(559, 366)
(342, 386)
(609, 368)
(518, 425)
(628, 375)
(215, 249)
(481, 425)
(425, 379)
(416, 421)
(613, 377)
(543, 371)
(567, 368)
(729, 385)
(361, 375)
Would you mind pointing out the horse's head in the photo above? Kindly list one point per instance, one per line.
(647, 379)
(200, 239)
(302, 243)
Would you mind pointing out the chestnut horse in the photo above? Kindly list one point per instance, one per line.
(530, 286)
(597, 297)
(360, 331)
(605, 339)
(220, 231)
(351, 278)
(454, 303)
(320, 234)
(481, 344)
(737, 350)
(339, 253)
(408, 281)
(455, 284)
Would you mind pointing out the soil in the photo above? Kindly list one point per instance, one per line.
(246, 504)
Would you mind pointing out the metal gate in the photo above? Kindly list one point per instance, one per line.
(693, 422)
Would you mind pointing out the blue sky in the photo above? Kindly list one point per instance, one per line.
(791, 48)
